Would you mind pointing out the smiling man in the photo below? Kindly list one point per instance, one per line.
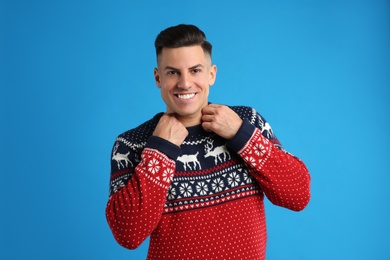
(184, 76)
(194, 178)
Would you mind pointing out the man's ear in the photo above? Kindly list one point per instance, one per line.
(157, 77)
(213, 74)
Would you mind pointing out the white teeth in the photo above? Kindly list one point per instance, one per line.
(186, 96)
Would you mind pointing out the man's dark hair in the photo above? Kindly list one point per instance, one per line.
(182, 35)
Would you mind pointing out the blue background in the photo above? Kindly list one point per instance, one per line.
(75, 74)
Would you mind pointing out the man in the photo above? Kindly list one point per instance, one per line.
(194, 178)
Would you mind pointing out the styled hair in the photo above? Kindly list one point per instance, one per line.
(182, 35)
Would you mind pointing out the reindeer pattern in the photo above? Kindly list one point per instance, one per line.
(186, 159)
(198, 168)
(266, 129)
(193, 161)
(122, 160)
(216, 152)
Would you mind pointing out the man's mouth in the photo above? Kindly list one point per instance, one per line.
(186, 96)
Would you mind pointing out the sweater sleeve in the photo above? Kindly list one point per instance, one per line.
(138, 189)
(283, 177)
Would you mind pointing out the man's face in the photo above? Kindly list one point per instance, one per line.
(184, 76)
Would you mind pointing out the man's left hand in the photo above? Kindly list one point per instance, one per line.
(221, 120)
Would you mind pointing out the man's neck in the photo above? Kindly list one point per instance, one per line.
(189, 121)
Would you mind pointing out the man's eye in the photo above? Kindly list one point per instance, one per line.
(195, 70)
(172, 72)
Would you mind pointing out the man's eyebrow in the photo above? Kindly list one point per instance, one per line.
(170, 68)
(197, 66)
(191, 68)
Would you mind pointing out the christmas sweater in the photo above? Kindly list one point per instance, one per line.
(204, 199)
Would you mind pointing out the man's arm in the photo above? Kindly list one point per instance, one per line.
(284, 178)
(139, 189)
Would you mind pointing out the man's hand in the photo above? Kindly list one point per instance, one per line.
(171, 129)
(221, 120)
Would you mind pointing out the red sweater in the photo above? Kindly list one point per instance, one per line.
(203, 200)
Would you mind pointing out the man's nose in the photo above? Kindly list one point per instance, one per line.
(184, 81)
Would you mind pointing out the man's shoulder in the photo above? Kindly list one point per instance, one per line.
(142, 131)
(245, 112)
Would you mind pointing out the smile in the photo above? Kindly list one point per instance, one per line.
(186, 96)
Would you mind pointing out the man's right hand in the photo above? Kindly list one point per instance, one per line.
(171, 129)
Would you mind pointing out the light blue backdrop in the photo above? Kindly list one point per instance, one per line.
(75, 74)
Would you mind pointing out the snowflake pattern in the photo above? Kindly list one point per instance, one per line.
(202, 188)
(233, 179)
(153, 166)
(193, 186)
(171, 193)
(217, 185)
(247, 178)
(259, 149)
(168, 175)
(117, 185)
(250, 160)
(185, 189)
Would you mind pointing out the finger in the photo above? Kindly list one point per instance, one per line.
(207, 126)
(210, 109)
(207, 118)
(214, 105)
(170, 114)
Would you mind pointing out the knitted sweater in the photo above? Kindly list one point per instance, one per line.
(204, 199)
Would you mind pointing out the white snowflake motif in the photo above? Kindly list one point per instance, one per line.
(217, 185)
(117, 185)
(185, 189)
(154, 166)
(202, 188)
(246, 178)
(168, 175)
(233, 179)
(171, 193)
(250, 160)
(259, 149)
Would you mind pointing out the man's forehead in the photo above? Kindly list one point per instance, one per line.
(194, 52)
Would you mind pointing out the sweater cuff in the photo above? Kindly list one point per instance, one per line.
(171, 150)
(242, 137)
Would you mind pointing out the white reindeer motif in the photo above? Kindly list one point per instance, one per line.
(120, 158)
(187, 158)
(216, 152)
(267, 127)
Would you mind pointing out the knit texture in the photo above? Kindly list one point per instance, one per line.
(204, 199)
